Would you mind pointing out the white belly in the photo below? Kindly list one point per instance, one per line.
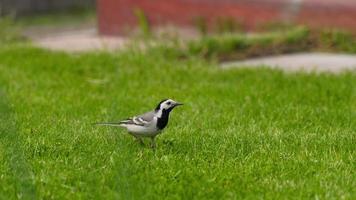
(143, 131)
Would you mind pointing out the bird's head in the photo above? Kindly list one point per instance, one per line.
(167, 105)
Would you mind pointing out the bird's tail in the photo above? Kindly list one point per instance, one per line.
(109, 124)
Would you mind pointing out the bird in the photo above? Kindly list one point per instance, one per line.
(149, 124)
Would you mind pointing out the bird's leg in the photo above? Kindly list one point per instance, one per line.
(139, 140)
(153, 143)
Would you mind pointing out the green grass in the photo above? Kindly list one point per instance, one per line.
(9, 32)
(254, 134)
(232, 46)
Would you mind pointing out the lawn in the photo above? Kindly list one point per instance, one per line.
(244, 133)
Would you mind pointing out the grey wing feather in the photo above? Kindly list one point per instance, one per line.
(148, 116)
(140, 120)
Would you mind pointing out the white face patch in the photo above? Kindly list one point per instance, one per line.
(165, 105)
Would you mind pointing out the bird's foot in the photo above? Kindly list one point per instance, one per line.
(140, 141)
(153, 143)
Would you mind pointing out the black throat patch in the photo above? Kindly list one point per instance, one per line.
(163, 120)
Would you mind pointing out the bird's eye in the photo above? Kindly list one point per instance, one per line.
(169, 103)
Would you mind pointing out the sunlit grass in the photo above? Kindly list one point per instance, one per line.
(241, 134)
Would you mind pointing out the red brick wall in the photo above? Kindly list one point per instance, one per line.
(117, 16)
(329, 13)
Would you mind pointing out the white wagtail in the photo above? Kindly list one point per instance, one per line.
(149, 124)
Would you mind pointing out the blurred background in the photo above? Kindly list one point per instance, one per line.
(111, 24)
(114, 16)
(30, 7)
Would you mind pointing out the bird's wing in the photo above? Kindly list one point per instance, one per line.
(129, 121)
(140, 120)
(147, 117)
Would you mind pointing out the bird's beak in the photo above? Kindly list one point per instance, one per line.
(178, 104)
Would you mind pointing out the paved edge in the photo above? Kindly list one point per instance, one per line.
(299, 62)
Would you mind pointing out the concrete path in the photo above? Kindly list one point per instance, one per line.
(86, 38)
(308, 62)
(77, 40)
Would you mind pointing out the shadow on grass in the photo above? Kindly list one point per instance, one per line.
(14, 152)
